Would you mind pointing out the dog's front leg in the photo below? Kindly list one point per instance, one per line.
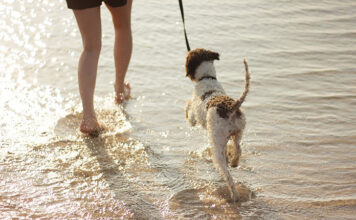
(189, 114)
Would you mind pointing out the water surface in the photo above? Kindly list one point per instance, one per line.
(298, 149)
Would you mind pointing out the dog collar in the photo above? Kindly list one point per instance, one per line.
(207, 77)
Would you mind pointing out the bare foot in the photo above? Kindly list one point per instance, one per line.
(122, 93)
(91, 127)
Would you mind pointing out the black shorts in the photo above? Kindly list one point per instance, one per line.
(83, 4)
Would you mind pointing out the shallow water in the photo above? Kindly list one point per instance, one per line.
(298, 150)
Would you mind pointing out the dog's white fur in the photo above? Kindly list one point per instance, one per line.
(220, 129)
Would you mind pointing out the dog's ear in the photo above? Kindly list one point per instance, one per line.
(196, 57)
(191, 64)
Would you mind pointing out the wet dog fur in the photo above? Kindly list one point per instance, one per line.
(215, 111)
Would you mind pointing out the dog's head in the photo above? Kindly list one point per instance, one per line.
(199, 63)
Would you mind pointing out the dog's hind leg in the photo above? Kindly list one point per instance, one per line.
(236, 149)
(218, 142)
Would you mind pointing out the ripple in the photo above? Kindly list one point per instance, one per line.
(206, 202)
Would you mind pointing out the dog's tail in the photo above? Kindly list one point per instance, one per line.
(239, 102)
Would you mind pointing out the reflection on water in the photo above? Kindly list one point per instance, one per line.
(298, 150)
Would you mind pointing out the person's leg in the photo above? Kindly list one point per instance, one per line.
(89, 23)
(121, 17)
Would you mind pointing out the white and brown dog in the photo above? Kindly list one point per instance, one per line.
(215, 111)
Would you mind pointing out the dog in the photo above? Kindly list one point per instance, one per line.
(215, 111)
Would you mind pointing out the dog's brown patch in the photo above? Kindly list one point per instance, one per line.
(195, 58)
(207, 94)
(224, 106)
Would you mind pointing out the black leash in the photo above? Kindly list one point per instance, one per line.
(185, 32)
